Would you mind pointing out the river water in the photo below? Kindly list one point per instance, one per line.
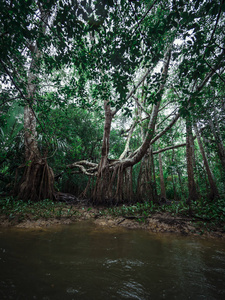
(84, 261)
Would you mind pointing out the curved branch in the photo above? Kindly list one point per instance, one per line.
(84, 171)
(135, 158)
(82, 162)
(126, 149)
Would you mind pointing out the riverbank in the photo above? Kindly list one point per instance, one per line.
(141, 216)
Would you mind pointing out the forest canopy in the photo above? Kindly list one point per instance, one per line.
(117, 101)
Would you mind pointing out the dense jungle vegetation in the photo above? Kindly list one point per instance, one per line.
(115, 101)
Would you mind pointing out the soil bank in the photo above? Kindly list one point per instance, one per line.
(160, 222)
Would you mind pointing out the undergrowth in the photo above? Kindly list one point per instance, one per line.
(46, 209)
(203, 213)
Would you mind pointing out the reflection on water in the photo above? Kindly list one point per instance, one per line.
(83, 261)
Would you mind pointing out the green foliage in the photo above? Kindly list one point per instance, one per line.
(139, 209)
(202, 210)
(175, 208)
(75, 132)
(11, 144)
(19, 210)
(93, 51)
(210, 211)
(204, 216)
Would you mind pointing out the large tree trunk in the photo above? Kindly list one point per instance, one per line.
(101, 191)
(213, 188)
(37, 182)
(146, 184)
(111, 177)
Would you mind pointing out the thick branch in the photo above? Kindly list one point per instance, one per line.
(126, 149)
(85, 171)
(135, 158)
(92, 171)
(81, 162)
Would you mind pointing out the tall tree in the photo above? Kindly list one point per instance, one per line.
(38, 178)
(213, 188)
(110, 54)
(189, 157)
(162, 182)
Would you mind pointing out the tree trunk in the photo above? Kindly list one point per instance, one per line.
(174, 188)
(145, 186)
(218, 140)
(37, 182)
(109, 172)
(173, 180)
(153, 178)
(162, 182)
(192, 193)
(213, 188)
(194, 162)
(180, 181)
(101, 191)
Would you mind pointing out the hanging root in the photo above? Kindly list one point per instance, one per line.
(37, 182)
(113, 186)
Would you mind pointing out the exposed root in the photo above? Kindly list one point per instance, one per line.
(37, 182)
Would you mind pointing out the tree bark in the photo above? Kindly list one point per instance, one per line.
(30, 135)
(101, 191)
(173, 180)
(111, 176)
(145, 190)
(162, 182)
(180, 181)
(213, 188)
(37, 181)
(218, 140)
(137, 156)
(153, 178)
(192, 192)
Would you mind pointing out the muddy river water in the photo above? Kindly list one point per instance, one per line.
(85, 261)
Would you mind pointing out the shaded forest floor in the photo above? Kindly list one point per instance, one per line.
(168, 219)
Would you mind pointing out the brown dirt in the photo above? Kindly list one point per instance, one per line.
(158, 223)
(162, 223)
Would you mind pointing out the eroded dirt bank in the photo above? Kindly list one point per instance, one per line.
(158, 222)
